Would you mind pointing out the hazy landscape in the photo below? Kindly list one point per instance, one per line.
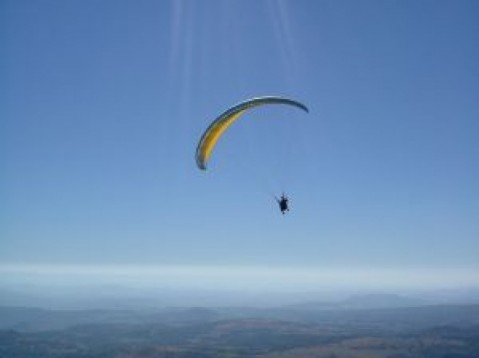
(360, 325)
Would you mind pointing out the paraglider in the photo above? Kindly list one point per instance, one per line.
(283, 204)
(216, 129)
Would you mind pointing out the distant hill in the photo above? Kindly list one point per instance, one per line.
(36, 319)
(369, 301)
(381, 301)
(421, 317)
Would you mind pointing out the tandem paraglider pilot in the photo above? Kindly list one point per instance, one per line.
(283, 204)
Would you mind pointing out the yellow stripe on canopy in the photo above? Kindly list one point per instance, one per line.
(212, 136)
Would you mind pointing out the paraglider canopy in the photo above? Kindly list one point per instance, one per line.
(216, 129)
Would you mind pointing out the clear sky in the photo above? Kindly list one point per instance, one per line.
(102, 104)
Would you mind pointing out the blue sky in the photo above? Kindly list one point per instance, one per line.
(103, 102)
